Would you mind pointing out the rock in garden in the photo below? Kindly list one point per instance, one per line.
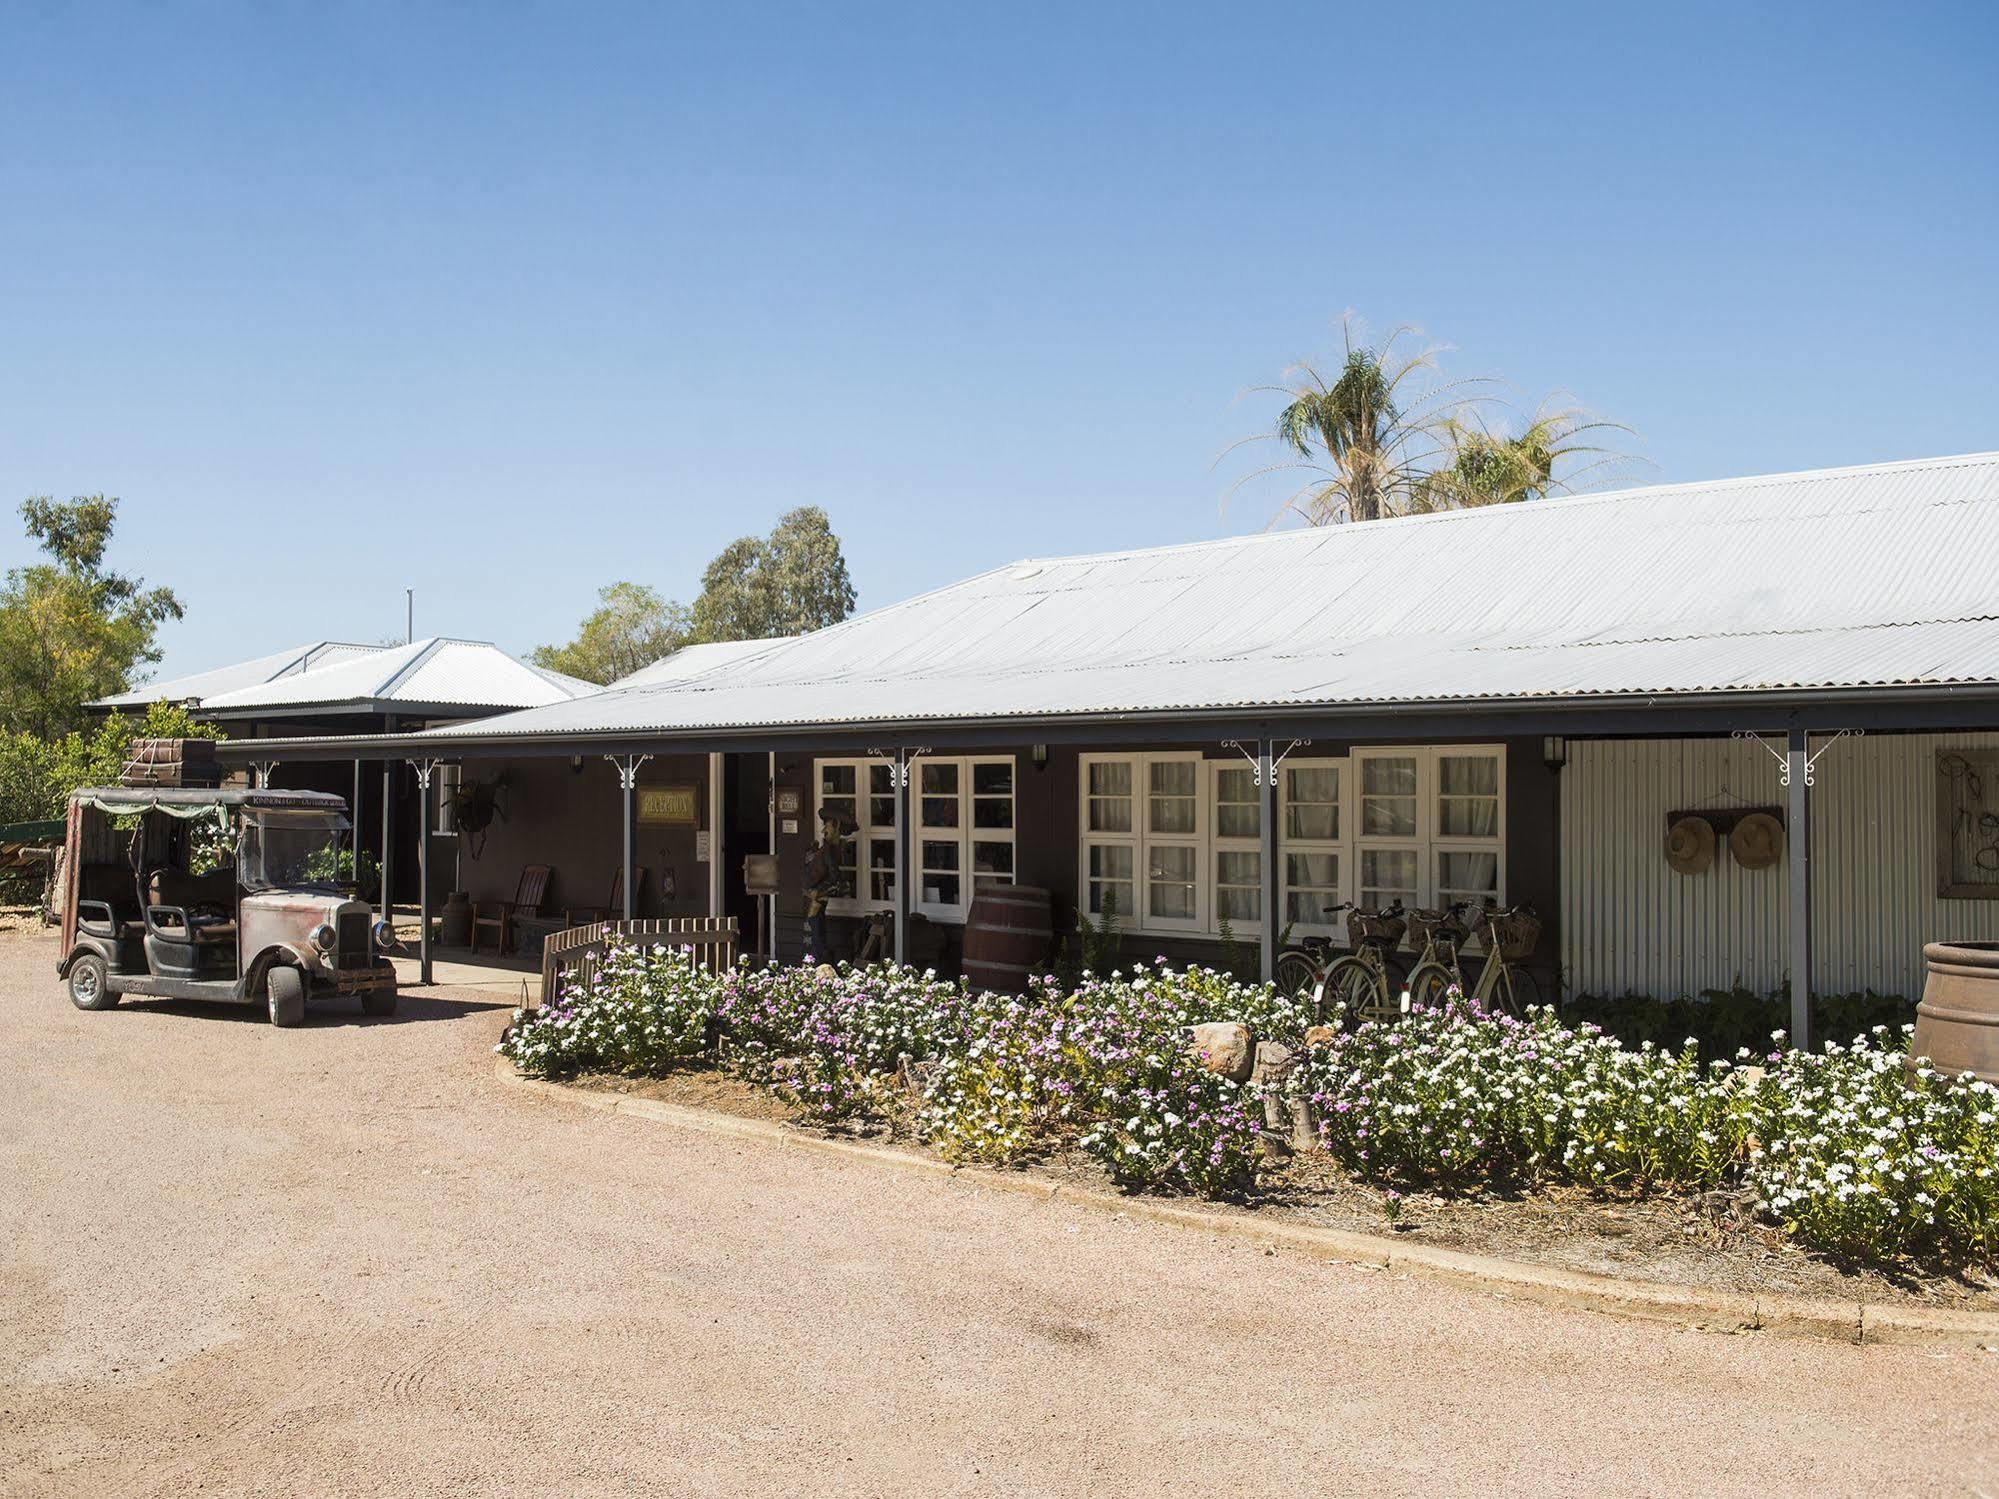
(1224, 1047)
(825, 972)
(1321, 1035)
(1274, 1063)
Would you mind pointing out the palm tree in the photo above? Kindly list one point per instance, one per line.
(1488, 468)
(1369, 437)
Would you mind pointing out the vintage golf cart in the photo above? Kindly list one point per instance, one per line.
(215, 893)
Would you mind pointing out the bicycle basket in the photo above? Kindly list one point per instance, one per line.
(1518, 934)
(1435, 926)
(1371, 927)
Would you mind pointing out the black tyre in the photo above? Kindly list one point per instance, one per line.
(89, 983)
(1296, 972)
(379, 1002)
(1428, 985)
(284, 988)
(1352, 991)
(1516, 992)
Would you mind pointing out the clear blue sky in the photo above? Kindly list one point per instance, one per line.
(504, 303)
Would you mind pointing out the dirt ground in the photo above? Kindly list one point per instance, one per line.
(344, 1260)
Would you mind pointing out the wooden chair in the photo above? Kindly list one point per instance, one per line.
(614, 908)
(500, 916)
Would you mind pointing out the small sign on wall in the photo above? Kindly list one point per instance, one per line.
(668, 806)
(701, 847)
(789, 800)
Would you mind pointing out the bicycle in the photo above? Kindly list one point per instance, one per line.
(1301, 969)
(1507, 935)
(1360, 986)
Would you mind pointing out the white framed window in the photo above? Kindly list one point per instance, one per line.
(1176, 838)
(962, 816)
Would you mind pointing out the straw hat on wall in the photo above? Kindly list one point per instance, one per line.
(1690, 845)
(1757, 841)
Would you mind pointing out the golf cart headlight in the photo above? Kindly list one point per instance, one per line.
(323, 937)
(384, 935)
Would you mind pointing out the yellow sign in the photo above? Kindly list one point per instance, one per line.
(667, 806)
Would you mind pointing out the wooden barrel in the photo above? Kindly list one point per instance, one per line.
(1009, 934)
(1957, 1024)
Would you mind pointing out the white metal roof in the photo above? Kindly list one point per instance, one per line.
(694, 661)
(436, 672)
(201, 685)
(1835, 578)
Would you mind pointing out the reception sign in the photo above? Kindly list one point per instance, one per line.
(668, 806)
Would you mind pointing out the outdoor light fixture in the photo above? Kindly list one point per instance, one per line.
(1039, 754)
(576, 765)
(1554, 751)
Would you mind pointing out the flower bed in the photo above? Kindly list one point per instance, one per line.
(1846, 1150)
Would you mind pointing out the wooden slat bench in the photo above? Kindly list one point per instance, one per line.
(710, 942)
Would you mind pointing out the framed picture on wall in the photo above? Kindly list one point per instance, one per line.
(668, 806)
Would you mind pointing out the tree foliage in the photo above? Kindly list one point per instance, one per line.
(631, 627)
(37, 774)
(70, 629)
(1387, 435)
(786, 583)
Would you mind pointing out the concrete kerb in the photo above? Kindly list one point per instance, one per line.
(1685, 1306)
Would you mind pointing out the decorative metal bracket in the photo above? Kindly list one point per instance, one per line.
(1783, 759)
(898, 763)
(424, 769)
(628, 769)
(1256, 761)
(265, 769)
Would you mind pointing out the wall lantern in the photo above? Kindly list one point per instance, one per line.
(1554, 752)
(576, 765)
(1039, 754)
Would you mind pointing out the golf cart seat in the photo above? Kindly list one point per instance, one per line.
(106, 902)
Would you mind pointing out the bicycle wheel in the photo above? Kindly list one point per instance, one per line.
(1515, 992)
(1428, 985)
(1296, 972)
(1353, 991)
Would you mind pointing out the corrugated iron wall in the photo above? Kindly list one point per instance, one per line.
(1631, 925)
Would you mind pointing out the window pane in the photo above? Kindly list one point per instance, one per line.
(1237, 903)
(1389, 775)
(1463, 874)
(940, 777)
(1312, 803)
(838, 809)
(1110, 861)
(880, 783)
(881, 811)
(1235, 784)
(1233, 820)
(992, 812)
(1234, 868)
(940, 873)
(1174, 805)
(1110, 778)
(1388, 816)
(993, 778)
(1320, 871)
(1387, 874)
(1110, 814)
(1100, 889)
(992, 863)
(836, 780)
(881, 869)
(1468, 775)
(1171, 883)
(1468, 817)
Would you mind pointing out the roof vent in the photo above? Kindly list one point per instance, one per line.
(1020, 572)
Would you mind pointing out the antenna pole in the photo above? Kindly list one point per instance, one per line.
(409, 615)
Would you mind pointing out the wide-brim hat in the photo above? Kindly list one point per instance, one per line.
(1690, 845)
(1757, 841)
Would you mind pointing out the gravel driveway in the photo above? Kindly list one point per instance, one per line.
(345, 1260)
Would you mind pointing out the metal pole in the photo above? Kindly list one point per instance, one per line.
(424, 769)
(715, 778)
(900, 775)
(409, 616)
(628, 774)
(1266, 823)
(1798, 838)
(770, 901)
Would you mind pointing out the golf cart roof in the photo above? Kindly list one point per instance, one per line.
(192, 801)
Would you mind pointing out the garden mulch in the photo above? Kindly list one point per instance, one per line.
(1707, 1241)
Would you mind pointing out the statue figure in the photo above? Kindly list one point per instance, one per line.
(823, 882)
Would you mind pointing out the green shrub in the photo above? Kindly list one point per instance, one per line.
(1722, 1022)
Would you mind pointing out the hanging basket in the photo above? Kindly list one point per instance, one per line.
(1518, 934)
(1365, 927)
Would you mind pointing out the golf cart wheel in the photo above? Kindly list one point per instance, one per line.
(89, 986)
(379, 1002)
(285, 989)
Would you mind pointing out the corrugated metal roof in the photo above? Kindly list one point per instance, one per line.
(693, 661)
(1831, 579)
(464, 673)
(201, 685)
